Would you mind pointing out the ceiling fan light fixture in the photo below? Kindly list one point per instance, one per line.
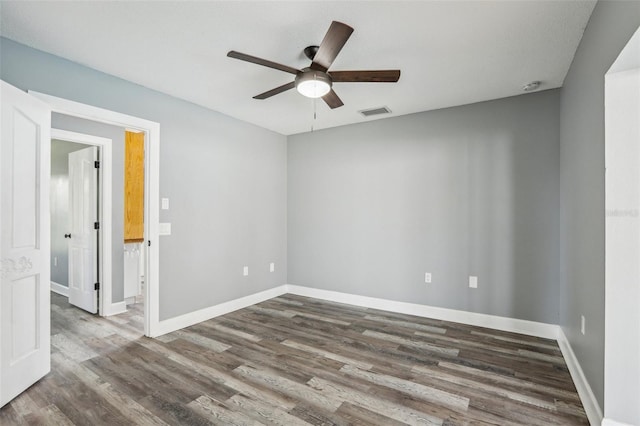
(313, 84)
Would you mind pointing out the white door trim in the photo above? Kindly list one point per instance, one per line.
(105, 184)
(152, 190)
(622, 236)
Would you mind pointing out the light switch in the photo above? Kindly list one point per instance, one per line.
(165, 204)
(165, 229)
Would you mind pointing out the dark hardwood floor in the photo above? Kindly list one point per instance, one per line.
(296, 361)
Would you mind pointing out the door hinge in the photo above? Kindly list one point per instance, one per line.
(149, 243)
(96, 225)
(96, 164)
(96, 286)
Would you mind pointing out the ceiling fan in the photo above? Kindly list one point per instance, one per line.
(316, 81)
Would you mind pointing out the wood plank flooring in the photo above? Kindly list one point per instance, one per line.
(296, 361)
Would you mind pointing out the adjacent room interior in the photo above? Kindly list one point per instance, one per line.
(432, 239)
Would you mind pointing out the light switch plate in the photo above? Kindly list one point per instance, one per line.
(165, 204)
(272, 267)
(245, 271)
(165, 229)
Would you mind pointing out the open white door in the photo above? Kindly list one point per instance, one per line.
(24, 247)
(83, 236)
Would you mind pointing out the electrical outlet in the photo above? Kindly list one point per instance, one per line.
(427, 277)
(245, 271)
(473, 281)
(582, 325)
(272, 267)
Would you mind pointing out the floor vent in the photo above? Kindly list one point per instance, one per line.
(375, 111)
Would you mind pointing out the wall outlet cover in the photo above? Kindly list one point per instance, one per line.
(427, 277)
(272, 267)
(473, 281)
(245, 271)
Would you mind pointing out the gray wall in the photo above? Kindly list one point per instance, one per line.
(226, 180)
(582, 183)
(471, 190)
(59, 202)
(116, 134)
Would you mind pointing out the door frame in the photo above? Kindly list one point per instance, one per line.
(151, 130)
(622, 240)
(104, 208)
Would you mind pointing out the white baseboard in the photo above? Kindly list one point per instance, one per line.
(186, 320)
(589, 401)
(60, 289)
(531, 328)
(115, 309)
(609, 422)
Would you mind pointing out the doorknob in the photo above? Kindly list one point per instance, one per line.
(67, 235)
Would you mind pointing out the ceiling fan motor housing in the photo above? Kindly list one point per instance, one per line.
(313, 83)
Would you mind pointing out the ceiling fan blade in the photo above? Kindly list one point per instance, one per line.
(263, 62)
(332, 99)
(331, 45)
(377, 76)
(275, 91)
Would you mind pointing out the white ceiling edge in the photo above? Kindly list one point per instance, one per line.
(450, 53)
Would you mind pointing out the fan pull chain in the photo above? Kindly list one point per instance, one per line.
(314, 107)
(315, 102)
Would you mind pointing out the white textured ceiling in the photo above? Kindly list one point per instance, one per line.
(450, 52)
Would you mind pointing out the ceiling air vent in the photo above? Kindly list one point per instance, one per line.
(375, 111)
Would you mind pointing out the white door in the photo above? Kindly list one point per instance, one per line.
(83, 237)
(24, 247)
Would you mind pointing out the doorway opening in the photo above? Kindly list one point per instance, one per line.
(79, 196)
(91, 226)
(150, 246)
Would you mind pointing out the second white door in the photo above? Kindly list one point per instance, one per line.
(83, 236)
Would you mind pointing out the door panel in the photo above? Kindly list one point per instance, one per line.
(24, 293)
(83, 244)
(24, 184)
(24, 246)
